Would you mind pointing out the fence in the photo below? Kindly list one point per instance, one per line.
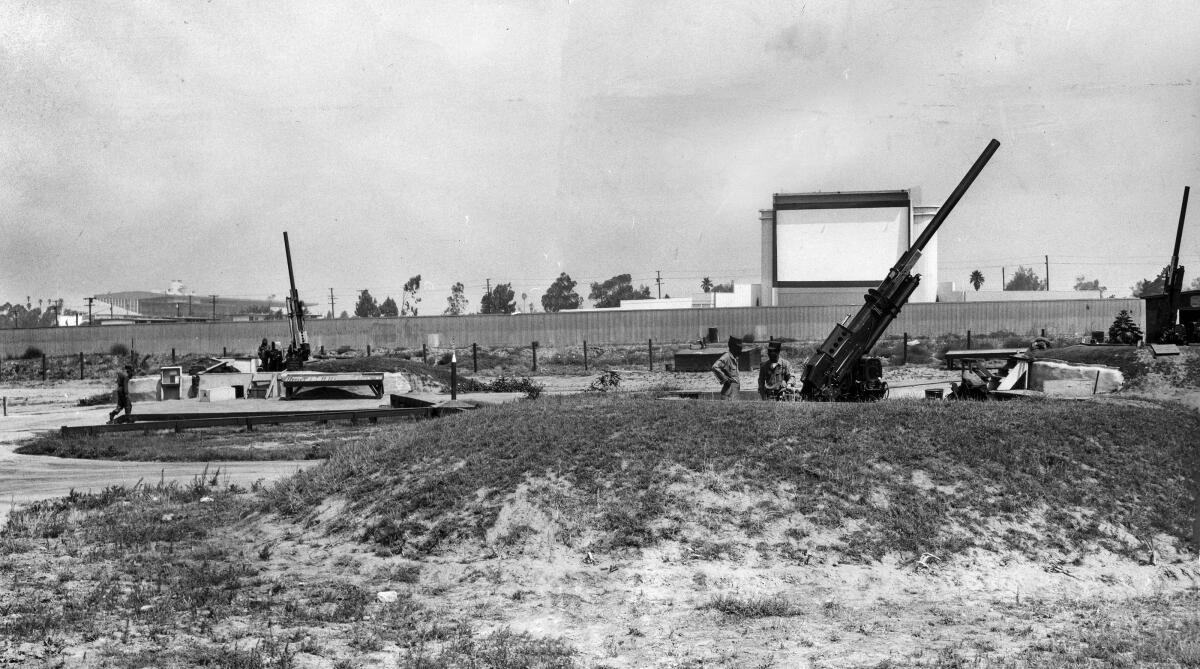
(1056, 317)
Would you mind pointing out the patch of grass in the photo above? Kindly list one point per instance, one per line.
(773, 606)
(446, 480)
(503, 649)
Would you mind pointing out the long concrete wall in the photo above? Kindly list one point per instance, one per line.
(1063, 317)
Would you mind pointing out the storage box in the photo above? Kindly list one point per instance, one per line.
(220, 394)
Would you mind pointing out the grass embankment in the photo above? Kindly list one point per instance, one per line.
(902, 477)
(187, 576)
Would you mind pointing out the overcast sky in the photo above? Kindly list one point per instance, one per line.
(464, 141)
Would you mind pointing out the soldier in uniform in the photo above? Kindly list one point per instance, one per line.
(726, 370)
(123, 402)
(774, 374)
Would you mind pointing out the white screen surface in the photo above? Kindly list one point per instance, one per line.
(839, 244)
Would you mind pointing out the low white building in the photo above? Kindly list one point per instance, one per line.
(949, 291)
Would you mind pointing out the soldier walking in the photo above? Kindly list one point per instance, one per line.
(726, 370)
(123, 402)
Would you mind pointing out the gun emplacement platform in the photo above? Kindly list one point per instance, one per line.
(295, 382)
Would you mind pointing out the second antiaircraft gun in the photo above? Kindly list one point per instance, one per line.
(838, 370)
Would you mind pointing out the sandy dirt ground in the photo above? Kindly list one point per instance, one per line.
(653, 608)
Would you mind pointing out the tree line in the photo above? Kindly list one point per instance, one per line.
(1026, 278)
(28, 316)
(501, 298)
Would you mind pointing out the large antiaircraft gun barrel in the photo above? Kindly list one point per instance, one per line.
(837, 370)
(296, 309)
(1168, 318)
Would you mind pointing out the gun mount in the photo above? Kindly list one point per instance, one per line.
(837, 371)
(299, 351)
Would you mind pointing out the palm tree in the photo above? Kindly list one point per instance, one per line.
(976, 279)
(706, 284)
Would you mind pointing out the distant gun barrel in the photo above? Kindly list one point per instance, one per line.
(1179, 230)
(956, 195)
(296, 308)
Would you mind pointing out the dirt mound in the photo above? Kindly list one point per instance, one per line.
(890, 476)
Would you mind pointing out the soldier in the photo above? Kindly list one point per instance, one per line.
(774, 374)
(123, 402)
(264, 355)
(726, 370)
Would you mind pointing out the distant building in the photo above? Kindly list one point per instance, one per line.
(948, 291)
(830, 248)
(175, 305)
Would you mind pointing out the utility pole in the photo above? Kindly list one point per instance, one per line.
(1003, 281)
(488, 295)
(658, 280)
(214, 306)
(332, 313)
(89, 301)
(1047, 272)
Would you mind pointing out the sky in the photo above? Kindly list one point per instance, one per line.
(508, 142)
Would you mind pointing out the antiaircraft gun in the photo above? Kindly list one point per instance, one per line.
(300, 350)
(1163, 310)
(838, 370)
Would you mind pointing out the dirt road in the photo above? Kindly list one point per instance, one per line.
(26, 478)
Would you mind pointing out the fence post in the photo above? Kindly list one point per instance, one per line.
(224, 352)
(535, 345)
(585, 356)
(424, 352)
(650, 350)
(453, 373)
(474, 358)
(172, 355)
(904, 351)
(43, 367)
(368, 350)
(968, 340)
(81, 365)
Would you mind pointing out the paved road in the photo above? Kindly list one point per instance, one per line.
(26, 478)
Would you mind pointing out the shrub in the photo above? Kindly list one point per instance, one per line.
(31, 353)
(1124, 330)
(118, 349)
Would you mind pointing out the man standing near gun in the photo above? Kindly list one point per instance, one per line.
(726, 370)
(774, 374)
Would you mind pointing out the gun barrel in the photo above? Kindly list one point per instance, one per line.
(287, 249)
(955, 196)
(1179, 231)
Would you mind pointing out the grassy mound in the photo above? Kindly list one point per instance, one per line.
(602, 473)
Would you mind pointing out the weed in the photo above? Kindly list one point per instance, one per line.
(609, 379)
(753, 607)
